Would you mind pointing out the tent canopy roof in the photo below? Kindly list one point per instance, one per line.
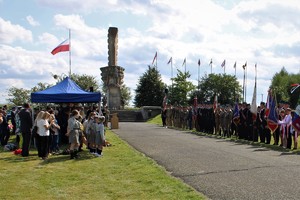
(66, 91)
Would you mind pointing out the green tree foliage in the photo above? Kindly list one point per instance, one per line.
(84, 81)
(181, 88)
(281, 86)
(125, 95)
(40, 86)
(225, 86)
(150, 89)
(18, 96)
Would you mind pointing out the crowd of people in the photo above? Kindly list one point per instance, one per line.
(225, 121)
(48, 129)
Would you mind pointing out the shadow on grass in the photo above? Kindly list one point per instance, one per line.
(18, 158)
(236, 141)
(84, 155)
(33, 156)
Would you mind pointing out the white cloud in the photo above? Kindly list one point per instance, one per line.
(32, 21)
(10, 33)
(238, 32)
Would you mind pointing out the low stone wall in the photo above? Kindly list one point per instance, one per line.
(150, 111)
(140, 115)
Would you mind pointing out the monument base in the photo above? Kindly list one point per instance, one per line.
(112, 77)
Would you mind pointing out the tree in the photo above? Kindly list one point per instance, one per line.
(225, 86)
(181, 88)
(85, 82)
(40, 86)
(125, 95)
(18, 96)
(281, 86)
(150, 89)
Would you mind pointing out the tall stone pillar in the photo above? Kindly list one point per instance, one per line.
(112, 75)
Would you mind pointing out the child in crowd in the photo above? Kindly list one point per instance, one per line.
(100, 138)
(88, 131)
(55, 137)
(73, 133)
(82, 138)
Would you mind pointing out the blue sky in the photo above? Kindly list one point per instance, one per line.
(265, 32)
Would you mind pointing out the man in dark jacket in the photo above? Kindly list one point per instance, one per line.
(26, 125)
(5, 134)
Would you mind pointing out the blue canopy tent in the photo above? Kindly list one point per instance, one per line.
(65, 91)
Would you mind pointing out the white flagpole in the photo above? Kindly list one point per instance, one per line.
(156, 61)
(172, 74)
(70, 69)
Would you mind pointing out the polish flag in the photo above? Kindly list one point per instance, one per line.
(64, 46)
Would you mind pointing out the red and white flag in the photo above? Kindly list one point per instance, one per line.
(64, 46)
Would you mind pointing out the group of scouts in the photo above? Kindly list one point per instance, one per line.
(226, 121)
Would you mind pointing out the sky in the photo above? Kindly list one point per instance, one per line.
(262, 32)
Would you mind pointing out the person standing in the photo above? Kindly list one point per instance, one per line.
(43, 135)
(262, 122)
(164, 117)
(73, 133)
(5, 133)
(54, 148)
(100, 135)
(26, 125)
(13, 122)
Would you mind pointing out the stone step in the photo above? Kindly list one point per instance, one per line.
(129, 115)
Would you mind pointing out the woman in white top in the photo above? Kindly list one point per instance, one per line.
(285, 128)
(43, 125)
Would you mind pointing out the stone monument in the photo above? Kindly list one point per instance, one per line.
(112, 75)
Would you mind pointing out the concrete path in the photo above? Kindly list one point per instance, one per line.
(218, 168)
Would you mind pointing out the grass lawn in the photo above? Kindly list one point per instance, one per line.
(122, 173)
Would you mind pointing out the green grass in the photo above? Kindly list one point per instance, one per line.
(155, 120)
(122, 173)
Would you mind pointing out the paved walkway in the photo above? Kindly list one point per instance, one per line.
(218, 168)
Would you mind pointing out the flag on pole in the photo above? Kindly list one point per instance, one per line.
(170, 61)
(215, 105)
(236, 114)
(296, 119)
(165, 102)
(234, 66)
(268, 103)
(272, 119)
(64, 46)
(295, 86)
(223, 63)
(199, 63)
(155, 57)
(195, 105)
(210, 62)
(245, 65)
(184, 62)
(253, 104)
